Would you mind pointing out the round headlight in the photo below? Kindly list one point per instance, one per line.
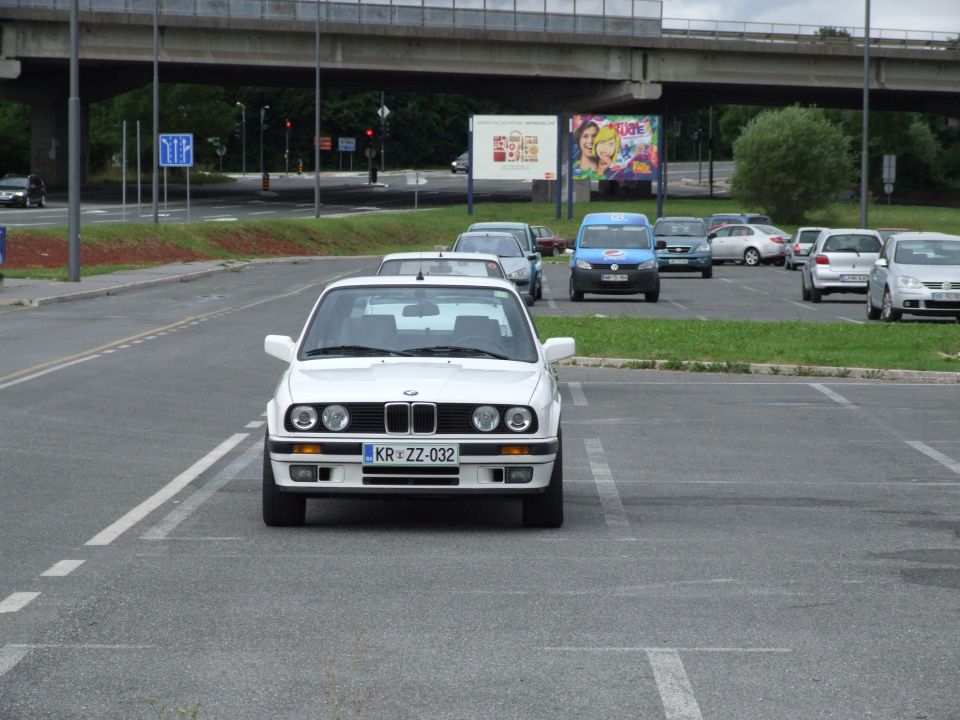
(335, 417)
(304, 417)
(486, 418)
(518, 419)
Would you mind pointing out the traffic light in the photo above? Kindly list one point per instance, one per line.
(289, 124)
(237, 131)
(385, 131)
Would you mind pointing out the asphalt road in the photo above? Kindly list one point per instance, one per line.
(735, 547)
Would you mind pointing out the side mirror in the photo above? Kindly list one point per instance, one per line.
(533, 257)
(278, 346)
(881, 262)
(570, 243)
(559, 348)
(661, 244)
(711, 236)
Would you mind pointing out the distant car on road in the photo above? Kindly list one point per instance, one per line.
(548, 241)
(798, 247)
(687, 247)
(442, 264)
(718, 219)
(516, 263)
(750, 244)
(524, 235)
(917, 273)
(23, 190)
(840, 262)
(461, 164)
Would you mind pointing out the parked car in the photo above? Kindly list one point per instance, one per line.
(388, 391)
(615, 254)
(23, 190)
(548, 242)
(917, 273)
(885, 233)
(461, 164)
(798, 247)
(516, 263)
(840, 262)
(441, 263)
(524, 235)
(749, 244)
(717, 219)
(687, 247)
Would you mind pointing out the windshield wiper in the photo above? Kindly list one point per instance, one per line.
(354, 350)
(455, 350)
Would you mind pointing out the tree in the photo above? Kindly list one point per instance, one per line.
(14, 138)
(790, 162)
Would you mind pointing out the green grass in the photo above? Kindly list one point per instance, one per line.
(904, 346)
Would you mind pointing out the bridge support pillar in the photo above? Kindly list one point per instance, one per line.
(48, 142)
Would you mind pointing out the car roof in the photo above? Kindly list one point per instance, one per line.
(680, 218)
(915, 235)
(442, 255)
(480, 225)
(614, 218)
(486, 233)
(431, 280)
(848, 231)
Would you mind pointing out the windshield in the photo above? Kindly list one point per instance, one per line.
(419, 321)
(851, 244)
(14, 182)
(436, 266)
(928, 252)
(631, 237)
(808, 236)
(502, 246)
(676, 228)
(518, 233)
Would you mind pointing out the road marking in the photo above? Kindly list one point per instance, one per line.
(727, 280)
(254, 425)
(15, 602)
(225, 207)
(645, 649)
(676, 692)
(851, 320)
(35, 375)
(263, 212)
(62, 568)
(747, 287)
(803, 305)
(835, 396)
(577, 393)
(117, 528)
(606, 487)
(10, 655)
(945, 460)
(192, 503)
(551, 303)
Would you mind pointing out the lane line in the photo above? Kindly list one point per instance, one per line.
(62, 568)
(606, 487)
(576, 392)
(811, 308)
(547, 293)
(117, 528)
(676, 692)
(645, 649)
(192, 503)
(10, 655)
(945, 460)
(14, 602)
(747, 287)
(851, 320)
(34, 376)
(254, 425)
(835, 396)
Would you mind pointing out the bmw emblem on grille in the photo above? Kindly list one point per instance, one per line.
(410, 393)
(614, 267)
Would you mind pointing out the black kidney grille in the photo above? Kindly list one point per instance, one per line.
(403, 418)
(397, 418)
(424, 418)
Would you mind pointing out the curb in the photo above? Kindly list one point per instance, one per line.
(927, 376)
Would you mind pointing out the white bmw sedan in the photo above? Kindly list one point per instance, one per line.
(412, 385)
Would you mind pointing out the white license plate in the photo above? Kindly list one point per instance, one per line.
(410, 454)
(678, 262)
(853, 278)
(614, 278)
(946, 296)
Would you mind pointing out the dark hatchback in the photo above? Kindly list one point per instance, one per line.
(23, 190)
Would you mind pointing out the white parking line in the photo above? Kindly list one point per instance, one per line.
(114, 530)
(945, 460)
(35, 375)
(674, 687)
(751, 289)
(10, 655)
(606, 487)
(254, 425)
(62, 568)
(804, 306)
(851, 320)
(15, 602)
(835, 396)
(551, 303)
(576, 392)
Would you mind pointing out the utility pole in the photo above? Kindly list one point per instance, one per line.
(243, 138)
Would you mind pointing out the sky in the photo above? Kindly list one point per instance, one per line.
(931, 15)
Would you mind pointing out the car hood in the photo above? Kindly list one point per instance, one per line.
(434, 380)
(512, 264)
(929, 273)
(626, 256)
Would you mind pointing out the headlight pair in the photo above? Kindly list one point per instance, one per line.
(305, 417)
(909, 282)
(486, 418)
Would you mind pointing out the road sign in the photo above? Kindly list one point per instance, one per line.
(326, 143)
(347, 144)
(888, 188)
(383, 112)
(889, 168)
(176, 150)
(370, 152)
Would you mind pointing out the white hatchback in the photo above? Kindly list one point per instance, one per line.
(839, 262)
(409, 386)
(917, 273)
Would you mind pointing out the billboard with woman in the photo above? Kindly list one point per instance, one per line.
(615, 147)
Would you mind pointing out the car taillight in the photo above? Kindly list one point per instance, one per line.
(796, 249)
(821, 260)
(778, 240)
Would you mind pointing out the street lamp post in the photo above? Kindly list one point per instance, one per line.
(263, 112)
(864, 147)
(316, 119)
(243, 138)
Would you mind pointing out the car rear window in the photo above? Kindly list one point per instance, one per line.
(678, 228)
(852, 244)
(808, 236)
(413, 266)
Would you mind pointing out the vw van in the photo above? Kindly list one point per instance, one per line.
(615, 254)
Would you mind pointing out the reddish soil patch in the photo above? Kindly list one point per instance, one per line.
(258, 244)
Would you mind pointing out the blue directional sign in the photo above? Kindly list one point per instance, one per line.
(176, 150)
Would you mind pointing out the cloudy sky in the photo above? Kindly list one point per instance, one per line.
(934, 15)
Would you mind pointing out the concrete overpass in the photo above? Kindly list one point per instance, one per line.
(542, 61)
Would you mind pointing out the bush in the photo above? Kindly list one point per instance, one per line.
(790, 162)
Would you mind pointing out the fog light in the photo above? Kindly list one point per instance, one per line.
(911, 303)
(518, 475)
(303, 473)
(514, 450)
(300, 449)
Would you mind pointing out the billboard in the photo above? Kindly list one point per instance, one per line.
(615, 147)
(515, 147)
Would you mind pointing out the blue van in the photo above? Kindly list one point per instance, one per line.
(615, 254)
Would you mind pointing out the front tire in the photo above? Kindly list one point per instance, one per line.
(546, 510)
(888, 313)
(707, 273)
(539, 290)
(280, 509)
(653, 295)
(42, 202)
(575, 295)
(751, 257)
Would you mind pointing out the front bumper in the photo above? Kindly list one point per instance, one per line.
(592, 281)
(684, 262)
(926, 302)
(481, 470)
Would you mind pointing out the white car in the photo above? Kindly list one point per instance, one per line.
(798, 246)
(917, 273)
(412, 386)
(749, 244)
(441, 263)
(839, 262)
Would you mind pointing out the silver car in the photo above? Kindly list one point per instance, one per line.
(749, 244)
(441, 263)
(798, 247)
(840, 262)
(516, 264)
(917, 273)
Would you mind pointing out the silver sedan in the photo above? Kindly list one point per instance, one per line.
(749, 244)
(917, 273)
